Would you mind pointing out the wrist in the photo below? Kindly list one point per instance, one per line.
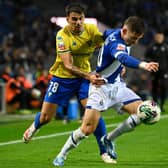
(142, 65)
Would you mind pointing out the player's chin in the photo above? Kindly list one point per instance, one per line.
(78, 28)
(129, 43)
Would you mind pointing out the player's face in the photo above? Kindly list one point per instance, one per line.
(75, 21)
(130, 38)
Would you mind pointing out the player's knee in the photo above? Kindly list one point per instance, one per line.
(87, 129)
(45, 118)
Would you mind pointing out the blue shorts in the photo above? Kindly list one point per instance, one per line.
(60, 90)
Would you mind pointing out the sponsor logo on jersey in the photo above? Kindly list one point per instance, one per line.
(61, 45)
(49, 94)
(121, 47)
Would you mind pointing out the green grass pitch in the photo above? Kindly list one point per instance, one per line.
(146, 147)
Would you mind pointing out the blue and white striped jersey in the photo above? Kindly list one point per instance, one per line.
(113, 55)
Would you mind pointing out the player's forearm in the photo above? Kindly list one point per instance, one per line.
(75, 70)
(132, 62)
(128, 61)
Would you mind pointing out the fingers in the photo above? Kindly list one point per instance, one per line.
(123, 72)
(99, 81)
(153, 66)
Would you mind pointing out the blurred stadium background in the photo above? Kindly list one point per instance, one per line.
(27, 49)
(27, 40)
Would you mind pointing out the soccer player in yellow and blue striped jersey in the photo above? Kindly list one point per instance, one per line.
(75, 43)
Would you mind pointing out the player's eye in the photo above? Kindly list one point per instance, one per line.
(74, 18)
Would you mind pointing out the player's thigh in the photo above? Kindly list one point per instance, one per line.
(131, 108)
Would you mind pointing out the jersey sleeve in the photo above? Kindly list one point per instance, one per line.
(119, 51)
(62, 43)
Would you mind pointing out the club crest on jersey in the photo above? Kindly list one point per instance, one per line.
(74, 43)
(59, 38)
(101, 102)
(121, 47)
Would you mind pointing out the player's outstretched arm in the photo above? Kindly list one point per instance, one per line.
(132, 62)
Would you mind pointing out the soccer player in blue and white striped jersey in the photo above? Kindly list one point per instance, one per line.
(114, 93)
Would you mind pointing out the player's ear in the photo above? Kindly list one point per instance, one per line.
(67, 19)
(124, 30)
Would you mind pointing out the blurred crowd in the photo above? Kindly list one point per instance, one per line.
(113, 13)
(27, 42)
(27, 49)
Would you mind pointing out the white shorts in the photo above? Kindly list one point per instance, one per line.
(110, 95)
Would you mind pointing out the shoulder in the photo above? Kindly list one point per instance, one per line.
(63, 33)
(108, 32)
(113, 38)
(112, 35)
(90, 27)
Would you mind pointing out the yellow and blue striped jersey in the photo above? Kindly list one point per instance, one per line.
(80, 46)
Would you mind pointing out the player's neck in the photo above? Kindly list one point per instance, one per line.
(76, 33)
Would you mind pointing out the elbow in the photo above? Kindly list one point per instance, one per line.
(123, 60)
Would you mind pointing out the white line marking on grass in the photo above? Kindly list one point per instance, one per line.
(35, 138)
(58, 134)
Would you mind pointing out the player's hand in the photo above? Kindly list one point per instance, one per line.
(149, 66)
(152, 66)
(123, 72)
(96, 79)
